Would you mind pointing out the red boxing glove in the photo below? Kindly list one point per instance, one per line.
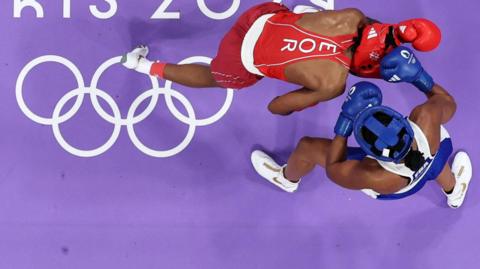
(422, 33)
(378, 39)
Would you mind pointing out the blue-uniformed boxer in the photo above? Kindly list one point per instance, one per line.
(397, 155)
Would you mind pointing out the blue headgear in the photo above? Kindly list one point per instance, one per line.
(392, 139)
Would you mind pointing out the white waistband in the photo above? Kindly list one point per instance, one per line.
(249, 42)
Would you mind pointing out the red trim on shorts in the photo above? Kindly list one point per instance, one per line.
(227, 67)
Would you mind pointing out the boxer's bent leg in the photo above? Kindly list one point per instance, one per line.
(191, 75)
(308, 153)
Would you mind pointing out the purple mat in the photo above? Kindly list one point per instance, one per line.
(167, 182)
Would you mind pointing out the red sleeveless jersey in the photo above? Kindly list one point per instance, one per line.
(282, 43)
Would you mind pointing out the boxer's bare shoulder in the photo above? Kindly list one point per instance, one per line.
(333, 23)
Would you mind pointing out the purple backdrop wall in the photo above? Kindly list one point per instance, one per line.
(203, 207)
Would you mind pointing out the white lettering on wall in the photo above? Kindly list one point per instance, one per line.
(161, 12)
(105, 14)
(19, 5)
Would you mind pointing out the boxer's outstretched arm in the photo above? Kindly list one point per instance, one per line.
(298, 100)
(443, 102)
(440, 104)
(397, 67)
(293, 101)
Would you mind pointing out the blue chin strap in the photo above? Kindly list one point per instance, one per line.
(393, 141)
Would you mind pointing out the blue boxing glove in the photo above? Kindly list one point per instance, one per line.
(361, 96)
(402, 65)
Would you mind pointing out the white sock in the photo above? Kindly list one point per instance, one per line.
(144, 66)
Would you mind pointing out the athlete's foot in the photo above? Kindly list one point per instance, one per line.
(136, 59)
(271, 171)
(462, 170)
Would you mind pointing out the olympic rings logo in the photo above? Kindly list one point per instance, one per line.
(116, 119)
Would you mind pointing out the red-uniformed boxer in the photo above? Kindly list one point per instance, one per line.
(316, 50)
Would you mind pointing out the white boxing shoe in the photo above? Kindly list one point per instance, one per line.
(300, 9)
(271, 171)
(462, 170)
(136, 60)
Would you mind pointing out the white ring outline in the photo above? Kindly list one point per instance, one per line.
(161, 153)
(117, 119)
(23, 74)
(56, 127)
(96, 77)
